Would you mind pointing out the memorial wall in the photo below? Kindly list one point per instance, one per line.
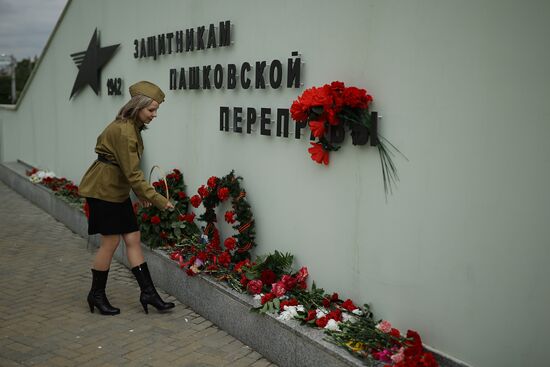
(458, 251)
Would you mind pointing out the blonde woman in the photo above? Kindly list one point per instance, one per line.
(106, 186)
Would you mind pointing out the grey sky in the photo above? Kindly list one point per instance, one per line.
(26, 25)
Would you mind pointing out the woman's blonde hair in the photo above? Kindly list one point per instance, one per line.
(131, 109)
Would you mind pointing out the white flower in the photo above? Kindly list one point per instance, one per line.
(332, 325)
(347, 317)
(35, 179)
(285, 315)
(357, 312)
(258, 297)
(291, 310)
(300, 308)
(320, 312)
(44, 174)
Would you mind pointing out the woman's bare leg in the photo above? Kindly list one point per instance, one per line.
(104, 255)
(133, 248)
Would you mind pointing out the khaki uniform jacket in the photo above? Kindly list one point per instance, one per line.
(119, 143)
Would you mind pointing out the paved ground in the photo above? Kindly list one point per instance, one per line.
(45, 321)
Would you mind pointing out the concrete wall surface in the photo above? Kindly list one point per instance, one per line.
(459, 252)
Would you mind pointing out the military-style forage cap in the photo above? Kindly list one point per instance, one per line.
(147, 89)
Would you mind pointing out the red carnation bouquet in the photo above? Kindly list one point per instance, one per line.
(328, 109)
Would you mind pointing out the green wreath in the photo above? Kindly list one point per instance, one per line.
(216, 191)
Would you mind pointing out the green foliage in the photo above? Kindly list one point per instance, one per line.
(311, 299)
(278, 262)
(171, 229)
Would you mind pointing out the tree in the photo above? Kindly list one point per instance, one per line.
(23, 70)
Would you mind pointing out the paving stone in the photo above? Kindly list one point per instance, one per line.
(45, 320)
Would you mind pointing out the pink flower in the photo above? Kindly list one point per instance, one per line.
(254, 286)
(384, 355)
(302, 274)
(399, 356)
(278, 289)
(384, 326)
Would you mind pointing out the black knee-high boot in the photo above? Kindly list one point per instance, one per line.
(149, 295)
(97, 297)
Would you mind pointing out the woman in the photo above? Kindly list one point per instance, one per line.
(106, 187)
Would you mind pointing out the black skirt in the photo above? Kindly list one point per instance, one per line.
(110, 218)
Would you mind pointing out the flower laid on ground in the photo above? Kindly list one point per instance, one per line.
(164, 228)
(36, 175)
(62, 187)
(330, 108)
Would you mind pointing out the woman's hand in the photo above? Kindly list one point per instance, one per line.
(145, 203)
(169, 206)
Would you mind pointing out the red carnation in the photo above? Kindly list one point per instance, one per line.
(299, 111)
(240, 264)
(337, 86)
(267, 297)
(229, 217)
(334, 297)
(223, 193)
(202, 256)
(317, 128)
(322, 321)
(395, 333)
(181, 195)
(348, 305)
(224, 259)
(163, 234)
(175, 255)
(230, 243)
(254, 286)
(332, 117)
(212, 182)
(268, 276)
(290, 302)
(155, 219)
(336, 315)
(244, 280)
(189, 217)
(289, 282)
(196, 200)
(318, 154)
(85, 207)
(203, 191)
(311, 315)
(326, 302)
(181, 217)
(357, 98)
(212, 267)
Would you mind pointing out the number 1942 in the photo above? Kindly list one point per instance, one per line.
(114, 86)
